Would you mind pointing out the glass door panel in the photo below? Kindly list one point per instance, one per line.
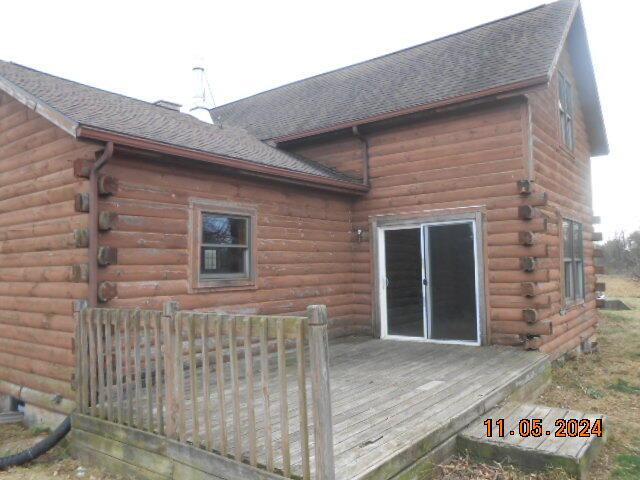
(451, 273)
(404, 289)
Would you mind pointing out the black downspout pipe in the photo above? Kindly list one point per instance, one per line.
(39, 448)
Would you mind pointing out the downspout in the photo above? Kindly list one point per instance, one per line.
(365, 153)
(94, 199)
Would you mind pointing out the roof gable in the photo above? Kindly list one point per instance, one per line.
(503, 55)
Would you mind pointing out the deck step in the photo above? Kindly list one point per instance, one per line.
(11, 417)
(571, 453)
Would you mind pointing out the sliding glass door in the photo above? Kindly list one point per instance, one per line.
(429, 282)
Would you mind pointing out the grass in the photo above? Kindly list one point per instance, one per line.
(604, 382)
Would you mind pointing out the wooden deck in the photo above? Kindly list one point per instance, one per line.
(393, 401)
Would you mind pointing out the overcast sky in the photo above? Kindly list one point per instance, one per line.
(146, 50)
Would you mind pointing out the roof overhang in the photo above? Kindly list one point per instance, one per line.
(77, 130)
(487, 93)
(41, 108)
(252, 168)
(575, 33)
(578, 45)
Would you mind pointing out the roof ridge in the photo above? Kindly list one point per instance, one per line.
(96, 88)
(388, 54)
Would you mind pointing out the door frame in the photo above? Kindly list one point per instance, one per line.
(380, 223)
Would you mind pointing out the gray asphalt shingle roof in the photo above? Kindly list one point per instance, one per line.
(507, 51)
(92, 107)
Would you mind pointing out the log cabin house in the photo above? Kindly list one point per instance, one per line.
(439, 194)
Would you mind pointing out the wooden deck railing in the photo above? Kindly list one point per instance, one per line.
(233, 385)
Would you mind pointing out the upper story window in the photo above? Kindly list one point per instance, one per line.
(565, 104)
(573, 261)
(223, 243)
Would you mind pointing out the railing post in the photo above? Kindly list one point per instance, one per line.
(80, 351)
(321, 392)
(169, 310)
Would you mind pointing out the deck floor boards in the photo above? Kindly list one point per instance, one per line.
(386, 396)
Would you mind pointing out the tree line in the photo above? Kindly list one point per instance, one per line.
(622, 254)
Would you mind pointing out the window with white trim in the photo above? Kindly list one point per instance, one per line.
(573, 261)
(565, 104)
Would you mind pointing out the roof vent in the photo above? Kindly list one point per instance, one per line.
(168, 105)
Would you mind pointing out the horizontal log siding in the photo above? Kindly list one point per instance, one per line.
(38, 282)
(471, 158)
(566, 178)
(342, 152)
(304, 248)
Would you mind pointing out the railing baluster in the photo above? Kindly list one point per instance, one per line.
(302, 401)
(179, 362)
(101, 390)
(129, 374)
(93, 361)
(157, 335)
(206, 381)
(220, 384)
(193, 377)
(109, 362)
(235, 387)
(284, 400)
(251, 413)
(118, 346)
(137, 359)
(148, 380)
(264, 371)
(83, 356)
(168, 313)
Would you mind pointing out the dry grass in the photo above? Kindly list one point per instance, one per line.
(604, 382)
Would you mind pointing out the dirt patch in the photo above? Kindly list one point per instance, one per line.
(56, 463)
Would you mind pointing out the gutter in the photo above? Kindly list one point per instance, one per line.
(94, 200)
(275, 173)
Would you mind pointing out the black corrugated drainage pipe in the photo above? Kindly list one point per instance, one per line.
(39, 448)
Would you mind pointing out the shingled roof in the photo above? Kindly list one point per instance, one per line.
(515, 51)
(76, 106)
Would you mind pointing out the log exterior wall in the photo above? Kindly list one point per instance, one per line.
(304, 252)
(471, 158)
(43, 254)
(566, 177)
